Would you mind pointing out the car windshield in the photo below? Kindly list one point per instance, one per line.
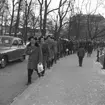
(5, 41)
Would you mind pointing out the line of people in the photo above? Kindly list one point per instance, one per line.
(47, 50)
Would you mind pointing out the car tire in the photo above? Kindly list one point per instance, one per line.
(3, 62)
(22, 58)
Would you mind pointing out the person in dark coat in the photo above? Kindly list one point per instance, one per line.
(55, 51)
(35, 57)
(80, 54)
(50, 43)
(89, 50)
(45, 52)
(70, 47)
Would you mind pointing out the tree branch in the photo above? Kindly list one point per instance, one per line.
(39, 2)
(57, 8)
(65, 23)
(49, 3)
(52, 10)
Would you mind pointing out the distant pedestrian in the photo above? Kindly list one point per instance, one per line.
(80, 54)
(35, 57)
(89, 50)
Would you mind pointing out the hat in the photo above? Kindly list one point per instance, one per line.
(32, 37)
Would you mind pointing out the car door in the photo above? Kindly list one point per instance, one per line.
(21, 48)
(15, 50)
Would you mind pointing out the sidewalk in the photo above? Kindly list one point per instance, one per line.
(67, 84)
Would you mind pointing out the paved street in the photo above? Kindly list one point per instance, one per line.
(67, 84)
(12, 81)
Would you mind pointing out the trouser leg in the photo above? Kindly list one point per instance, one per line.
(48, 64)
(55, 58)
(30, 71)
(51, 62)
(80, 61)
(44, 67)
(43, 72)
(39, 75)
(87, 54)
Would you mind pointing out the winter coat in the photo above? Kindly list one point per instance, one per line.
(89, 49)
(51, 48)
(35, 56)
(45, 52)
(55, 47)
(81, 52)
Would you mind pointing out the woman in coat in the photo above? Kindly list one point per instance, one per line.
(35, 57)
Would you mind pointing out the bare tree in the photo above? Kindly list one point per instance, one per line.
(2, 5)
(3, 14)
(18, 17)
(44, 7)
(26, 17)
(41, 2)
(92, 23)
(64, 8)
(34, 20)
(12, 16)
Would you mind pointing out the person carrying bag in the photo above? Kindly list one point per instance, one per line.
(34, 52)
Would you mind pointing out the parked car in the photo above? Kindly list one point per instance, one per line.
(11, 49)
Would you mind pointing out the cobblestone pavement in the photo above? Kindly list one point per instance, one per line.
(67, 84)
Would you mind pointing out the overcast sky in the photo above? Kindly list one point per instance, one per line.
(94, 3)
(101, 8)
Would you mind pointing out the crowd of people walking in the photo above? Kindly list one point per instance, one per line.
(47, 50)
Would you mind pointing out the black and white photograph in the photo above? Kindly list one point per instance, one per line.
(52, 52)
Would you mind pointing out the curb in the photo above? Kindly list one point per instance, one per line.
(16, 98)
(35, 84)
(100, 71)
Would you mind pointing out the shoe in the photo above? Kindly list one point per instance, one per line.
(102, 68)
(39, 75)
(28, 83)
(80, 65)
(42, 74)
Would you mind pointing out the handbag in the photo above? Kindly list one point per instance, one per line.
(40, 67)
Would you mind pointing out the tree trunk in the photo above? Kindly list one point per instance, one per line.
(45, 19)
(2, 24)
(26, 31)
(18, 18)
(12, 17)
(11, 22)
(41, 17)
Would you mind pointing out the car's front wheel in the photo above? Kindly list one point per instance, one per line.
(3, 62)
